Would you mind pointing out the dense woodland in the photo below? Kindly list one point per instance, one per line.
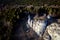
(32, 2)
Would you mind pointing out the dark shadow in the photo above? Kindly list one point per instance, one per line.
(20, 28)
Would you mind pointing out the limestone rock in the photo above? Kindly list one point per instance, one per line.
(54, 31)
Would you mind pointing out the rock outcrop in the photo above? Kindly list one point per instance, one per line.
(53, 31)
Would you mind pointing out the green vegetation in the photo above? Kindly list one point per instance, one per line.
(31, 2)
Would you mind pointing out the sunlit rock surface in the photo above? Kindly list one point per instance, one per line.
(38, 26)
(53, 30)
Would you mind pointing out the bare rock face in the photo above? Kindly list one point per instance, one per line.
(37, 26)
(54, 31)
